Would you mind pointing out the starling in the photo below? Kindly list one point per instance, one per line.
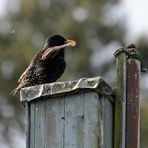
(48, 65)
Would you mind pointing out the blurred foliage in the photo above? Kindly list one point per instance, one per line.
(24, 29)
(144, 125)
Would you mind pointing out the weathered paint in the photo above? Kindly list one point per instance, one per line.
(133, 113)
(127, 98)
(108, 122)
(54, 125)
(74, 122)
(71, 122)
(91, 126)
(39, 124)
(65, 88)
(27, 124)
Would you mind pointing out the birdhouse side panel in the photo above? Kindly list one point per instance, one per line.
(107, 108)
(70, 121)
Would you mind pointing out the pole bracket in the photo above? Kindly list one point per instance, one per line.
(132, 53)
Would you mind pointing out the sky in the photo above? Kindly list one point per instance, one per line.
(136, 12)
(3, 7)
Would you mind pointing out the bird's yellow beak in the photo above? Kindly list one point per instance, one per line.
(70, 42)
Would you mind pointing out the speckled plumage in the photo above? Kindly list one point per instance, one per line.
(47, 66)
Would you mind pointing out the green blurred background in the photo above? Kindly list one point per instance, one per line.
(92, 23)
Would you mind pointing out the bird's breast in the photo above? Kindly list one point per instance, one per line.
(52, 69)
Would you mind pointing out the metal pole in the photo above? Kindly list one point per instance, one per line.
(127, 93)
(120, 97)
(133, 113)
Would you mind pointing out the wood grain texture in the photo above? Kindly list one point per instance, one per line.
(32, 125)
(91, 120)
(108, 120)
(39, 133)
(74, 121)
(54, 123)
(70, 122)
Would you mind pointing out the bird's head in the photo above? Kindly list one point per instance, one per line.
(57, 40)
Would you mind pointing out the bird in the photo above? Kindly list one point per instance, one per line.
(48, 65)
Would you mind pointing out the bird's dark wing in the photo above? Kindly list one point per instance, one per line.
(25, 72)
(37, 57)
(43, 55)
(21, 80)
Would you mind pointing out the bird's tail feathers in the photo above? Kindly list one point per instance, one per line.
(14, 91)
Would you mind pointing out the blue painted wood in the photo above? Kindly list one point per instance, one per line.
(74, 122)
(91, 120)
(32, 125)
(54, 129)
(39, 124)
(82, 120)
(107, 109)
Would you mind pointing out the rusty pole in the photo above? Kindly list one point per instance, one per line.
(132, 103)
(127, 93)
